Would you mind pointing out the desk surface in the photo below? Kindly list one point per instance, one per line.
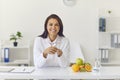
(63, 73)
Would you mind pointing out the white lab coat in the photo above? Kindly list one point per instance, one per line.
(40, 44)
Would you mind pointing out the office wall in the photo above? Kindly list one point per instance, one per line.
(80, 21)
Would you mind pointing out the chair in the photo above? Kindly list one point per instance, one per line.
(75, 52)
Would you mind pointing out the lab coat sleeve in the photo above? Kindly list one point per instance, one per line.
(39, 60)
(64, 59)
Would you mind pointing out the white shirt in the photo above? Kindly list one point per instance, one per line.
(40, 44)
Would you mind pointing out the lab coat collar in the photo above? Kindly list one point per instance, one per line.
(54, 42)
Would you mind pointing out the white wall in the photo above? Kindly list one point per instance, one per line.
(80, 21)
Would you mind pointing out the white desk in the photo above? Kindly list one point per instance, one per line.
(64, 73)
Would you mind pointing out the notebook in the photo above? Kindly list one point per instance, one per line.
(23, 70)
(6, 69)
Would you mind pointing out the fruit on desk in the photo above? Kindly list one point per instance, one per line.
(75, 67)
(82, 66)
(88, 67)
(79, 61)
(82, 70)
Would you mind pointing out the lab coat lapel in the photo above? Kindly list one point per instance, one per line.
(55, 42)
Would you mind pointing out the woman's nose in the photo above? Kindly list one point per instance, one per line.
(53, 26)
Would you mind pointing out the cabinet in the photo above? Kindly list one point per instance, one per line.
(109, 40)
(18, 56)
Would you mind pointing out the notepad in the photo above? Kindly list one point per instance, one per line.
(23, 70)
(6, 69)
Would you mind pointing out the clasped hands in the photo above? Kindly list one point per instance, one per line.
(52, 50)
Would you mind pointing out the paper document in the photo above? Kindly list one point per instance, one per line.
(6, 69)
(23, 70)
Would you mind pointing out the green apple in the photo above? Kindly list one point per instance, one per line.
(79, 61)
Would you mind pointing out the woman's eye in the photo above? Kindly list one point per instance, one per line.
(53, 24)
(56, 24)
(50, 24)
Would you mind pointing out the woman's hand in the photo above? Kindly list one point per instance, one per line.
(49, 50)
(52, 50)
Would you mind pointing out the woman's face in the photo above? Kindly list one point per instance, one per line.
(53, 27)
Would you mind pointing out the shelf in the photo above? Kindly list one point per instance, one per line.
(110, 32)
(105, 47)
(19, 55)
(111, 63)
(21, 61)
(25, 61)
(109, 40)
(16, 47)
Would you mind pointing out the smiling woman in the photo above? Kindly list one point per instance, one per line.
(52, 48)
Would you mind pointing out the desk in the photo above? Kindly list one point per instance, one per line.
(64, 73)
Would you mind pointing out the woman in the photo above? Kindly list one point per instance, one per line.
(51, 48)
